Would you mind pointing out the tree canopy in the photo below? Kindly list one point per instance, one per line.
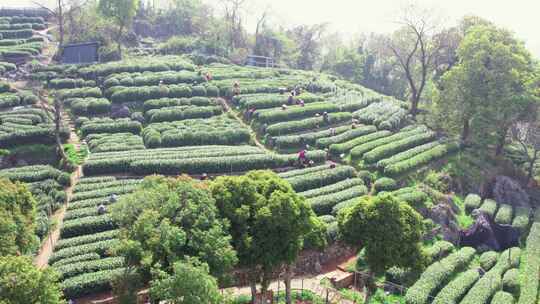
(22, 282)
(18, 219)
(167, 220)
(269, 221)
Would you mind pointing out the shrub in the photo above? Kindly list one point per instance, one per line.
(531, 271)
(392, 148)
(488, 260)
(78, 258)
(472, 201)
(67, 271)
(86, 239)
(181, 112)
(439, 250)
(305, 171)
(457, 288)
(306, 124)
(337, 149)
(490, 207)
(172, 102)
(339, 186)
(108, 125)
(88, 283)
(502, 297)
(360, 150)
(385, 184)
(106, 142)
(511, 281)
(521, 218)
(320, 178)
(345, 136)
(294, 112)
(16, 34)
(343, 205)
(324, 204)
(437, 274)
(310, 138)
(504, 214)
(100, 248)
(78, 93)
(67, 83)
(87, 225)
(90, 106)
(327, 218)
(406, 154)
(420, 159)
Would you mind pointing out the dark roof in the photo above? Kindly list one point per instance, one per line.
(86, 52)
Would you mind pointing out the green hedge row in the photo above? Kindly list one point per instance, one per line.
(89, 283)
(86, 187)
(347, 146)
(306, 124)
(81, 213)
(384, 115)
(95, 180)
(129, 94)
(70, 270)
(15, 26)
(420, 159)
(108, 125)
(172, 102)
(491, 282)
(345, 136)
(457, 288)
(153, 78)
(299, 140)
(359, 151)
(21, 19)
(439, 250)
(109, 142)
(17, 135)
(436, 275)
(343, 205)
(181, 112)
(225, 164)
(104, 192)
(8, 100)
(100, 247)
(90, 106)
(339, 186)
(87, 225)
(304, 171)
(86, 239)
(504, 214)
(531, 270)
(323, 204)
(92, 256)
(91, 202)
(165, 63)
(502, 297)
(511, 281)
(398, 146)
(266, 101)
(321, 178)
(16, 34)
(6, 67)
(294, 112)
(385, 184)
(36, 173)
(70, 83)
(79, 93)
(488, 259)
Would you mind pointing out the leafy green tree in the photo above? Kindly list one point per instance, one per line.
(167, 220)
(189, 283)
(122, 13)
(269, 223)
(389, 230)
(17, 219)
(22, 282)
(489, 89)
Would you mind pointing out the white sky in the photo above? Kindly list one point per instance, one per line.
(353, 16)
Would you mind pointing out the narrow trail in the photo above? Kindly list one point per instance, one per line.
(228, 109)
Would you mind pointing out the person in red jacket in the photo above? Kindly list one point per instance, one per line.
(302, 159)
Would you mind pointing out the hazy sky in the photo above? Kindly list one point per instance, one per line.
(353, 16)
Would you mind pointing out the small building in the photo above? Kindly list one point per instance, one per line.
(80, 53)
(260, 61)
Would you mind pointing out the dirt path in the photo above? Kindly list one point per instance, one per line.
(228, 109)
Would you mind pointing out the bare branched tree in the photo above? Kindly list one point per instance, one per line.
(414, 46)
(233, 16)
(61, 12)
(527, 135)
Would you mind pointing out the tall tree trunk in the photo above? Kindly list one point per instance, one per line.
(118, 40)
(252, 277)
(501, 141)
(288, 278)
(369, 288)
(466, 130)
(57, 127)
(60, 20)
(414, 106)
(530, 170)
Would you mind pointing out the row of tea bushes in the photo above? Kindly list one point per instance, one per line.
(174, 102)
(82, 257)
(27, 126)
(181, 113)
(70, 83)
(149, 78)
(140, 94)
(109, 125)
(384, 115)
(529, 291)
(288, 127)
(217, 130)
(267, 101)
(9, 100)
(111, 142)
(190, 160)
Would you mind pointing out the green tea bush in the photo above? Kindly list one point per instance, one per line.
(90, 106)
(172, 102)
(511, 281)
(521, 218)
(393, 148)
(531, 269)
(87, 225)
(488, 259)
(504, 214)
(181, 112)
(489, 207)
(78, 258)
(457, 288)
(78, 93)
(70, 270)
(472, 201)
(385, 184)
(345, 136)
(89, 283)
(320, 178)
(16, 34)
(420, 159)
(296, 141)
(359, 151)
(502, 297)
(86, 239)
(406, 154)
(345, 147)
(108, 125)
(106, 142)
(294, 112)
(436, 275)
(339, 186)
(324, 204)
(306, 124)
(100, 247)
